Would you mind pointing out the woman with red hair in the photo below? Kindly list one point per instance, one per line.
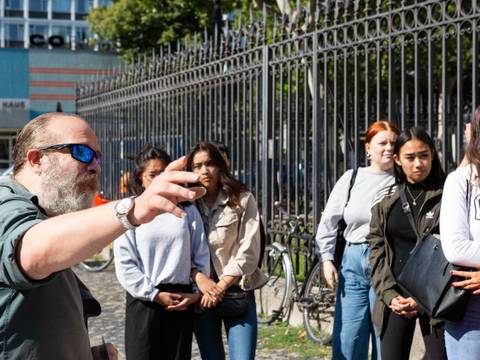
(350, 200)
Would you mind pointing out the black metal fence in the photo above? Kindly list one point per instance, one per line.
(293, 104)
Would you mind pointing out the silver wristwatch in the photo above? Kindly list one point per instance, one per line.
(122, 209)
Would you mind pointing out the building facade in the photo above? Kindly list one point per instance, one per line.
(44, 51)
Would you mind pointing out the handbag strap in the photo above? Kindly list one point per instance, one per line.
(408, 211)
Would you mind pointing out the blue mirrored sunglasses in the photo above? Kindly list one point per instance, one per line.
(80, 152)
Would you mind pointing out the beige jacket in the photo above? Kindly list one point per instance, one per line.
(234, 239)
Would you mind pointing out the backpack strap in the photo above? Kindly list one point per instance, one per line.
(352, 182)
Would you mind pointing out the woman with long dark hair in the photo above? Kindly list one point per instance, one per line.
(231, 220)
(460, 234)
(419, 177)
(353, 327)
(154, 263)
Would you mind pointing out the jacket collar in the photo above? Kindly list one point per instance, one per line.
(221, 201)
(430, 193)
(19, 189)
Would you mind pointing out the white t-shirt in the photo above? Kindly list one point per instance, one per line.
(460, 217)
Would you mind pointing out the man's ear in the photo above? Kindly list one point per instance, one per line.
(34, 160)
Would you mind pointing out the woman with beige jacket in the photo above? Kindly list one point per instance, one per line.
(232, 225)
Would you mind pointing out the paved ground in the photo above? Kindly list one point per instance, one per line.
(110, 323)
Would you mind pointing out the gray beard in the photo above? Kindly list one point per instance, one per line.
(64, 191)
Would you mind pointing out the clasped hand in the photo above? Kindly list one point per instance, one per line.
(406, 307)
(212, 292)
(176, 301)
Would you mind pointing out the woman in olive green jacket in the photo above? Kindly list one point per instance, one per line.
(419, 175)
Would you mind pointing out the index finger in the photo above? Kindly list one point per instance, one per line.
(461, 283)
(177, 164)
(466, 274)
(178, 177)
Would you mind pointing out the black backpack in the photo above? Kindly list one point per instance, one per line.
(263, 243)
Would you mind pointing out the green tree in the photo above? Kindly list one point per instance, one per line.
(138, 26)
(134, 27)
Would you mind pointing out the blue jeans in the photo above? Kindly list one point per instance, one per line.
(462, 339)
(352, 325)
(241, 334)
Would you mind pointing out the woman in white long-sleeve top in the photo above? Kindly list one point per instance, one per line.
(460, 235)
(155, 264)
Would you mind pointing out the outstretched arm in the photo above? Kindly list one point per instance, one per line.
(63, 241)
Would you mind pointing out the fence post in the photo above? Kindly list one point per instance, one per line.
(317, 125)
(266, 138)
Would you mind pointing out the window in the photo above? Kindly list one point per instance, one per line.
(14, 35)
(65, 32)
(38, 5)
(13, 4)
(61, 9)
(104, 2)
(5, 148)
(82, 6)
(14, 8)
(82, 35)
(38, 8)
(38, 35)
(61, 6)
(39, 29)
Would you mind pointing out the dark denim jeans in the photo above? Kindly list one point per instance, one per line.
(241, 334)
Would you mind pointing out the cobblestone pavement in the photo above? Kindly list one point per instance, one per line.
(110, 324)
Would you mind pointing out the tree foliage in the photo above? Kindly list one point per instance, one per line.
(138, 26)
(134, 27)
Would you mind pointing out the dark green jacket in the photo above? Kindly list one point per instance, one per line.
(381, 251)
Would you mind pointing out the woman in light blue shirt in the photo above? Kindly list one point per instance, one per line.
(155, 264)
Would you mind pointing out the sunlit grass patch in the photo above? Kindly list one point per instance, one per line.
(292, 339)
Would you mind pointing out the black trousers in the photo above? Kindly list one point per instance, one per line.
(396, 340)
(152, 333)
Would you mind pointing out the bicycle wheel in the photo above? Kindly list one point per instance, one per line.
(99, 261)
(275, 296)
(318, 307)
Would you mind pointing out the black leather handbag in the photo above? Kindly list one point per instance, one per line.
(340, 242)
(234, 303)
(426, 276)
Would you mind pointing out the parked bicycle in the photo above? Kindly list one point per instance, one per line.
(314, 299)
(103, 258)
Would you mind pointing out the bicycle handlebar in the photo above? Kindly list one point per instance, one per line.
(293, 221)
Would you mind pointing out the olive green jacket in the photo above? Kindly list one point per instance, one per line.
(381, 251)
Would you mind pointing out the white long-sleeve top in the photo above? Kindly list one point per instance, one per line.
(460, 217)
(164, 251)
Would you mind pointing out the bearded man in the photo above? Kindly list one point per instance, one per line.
(47, 226)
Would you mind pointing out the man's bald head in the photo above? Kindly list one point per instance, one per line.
(38, 133)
